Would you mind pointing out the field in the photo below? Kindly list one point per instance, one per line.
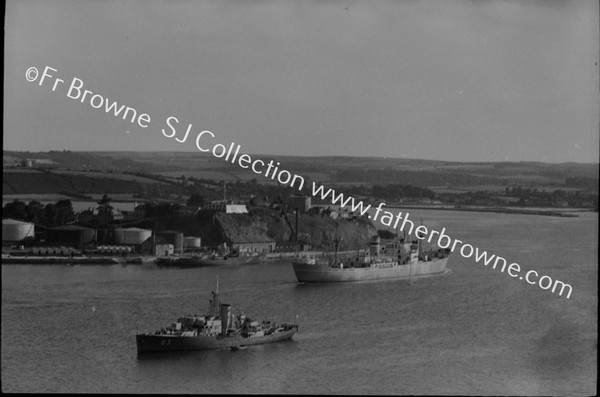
(43, 183)
(111, 175)
(87, 173)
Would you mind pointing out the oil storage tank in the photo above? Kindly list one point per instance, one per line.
(71, 235)
(131, 235)
(191, 243)
(14, 230)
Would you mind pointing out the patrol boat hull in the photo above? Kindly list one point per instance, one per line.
(314, 273)
(149, 343)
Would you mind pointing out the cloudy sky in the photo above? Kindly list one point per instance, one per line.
(447, 80)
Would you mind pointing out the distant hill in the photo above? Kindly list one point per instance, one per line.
(67, 159)
(50, 182)
(171, 167)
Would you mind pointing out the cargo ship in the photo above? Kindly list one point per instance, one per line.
(406, 260)
(218, 329)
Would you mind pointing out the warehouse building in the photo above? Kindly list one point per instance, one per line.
(251, 244)
(71, 235)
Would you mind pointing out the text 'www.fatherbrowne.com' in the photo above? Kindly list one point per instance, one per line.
(207, 142)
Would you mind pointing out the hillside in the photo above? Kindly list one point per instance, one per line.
(51, 182)
(318, 231)
(331, 170)
(176, 176)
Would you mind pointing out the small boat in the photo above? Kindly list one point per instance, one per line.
(238, 348)
(218, 329)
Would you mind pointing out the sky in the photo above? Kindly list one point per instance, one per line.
(450, 80)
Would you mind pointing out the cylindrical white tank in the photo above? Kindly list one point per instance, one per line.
(132, 235)
(191, 242)
(14, 230)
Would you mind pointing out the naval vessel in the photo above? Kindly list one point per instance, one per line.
(220, 328)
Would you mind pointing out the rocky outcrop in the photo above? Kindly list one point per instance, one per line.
(320, 232)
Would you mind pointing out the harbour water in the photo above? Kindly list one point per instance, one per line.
(472, 331)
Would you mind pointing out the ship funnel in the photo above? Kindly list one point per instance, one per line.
(375, 245)
(225, 318)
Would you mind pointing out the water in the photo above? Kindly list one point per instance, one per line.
(473, 331)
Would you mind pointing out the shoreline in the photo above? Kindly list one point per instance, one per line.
(75, 260)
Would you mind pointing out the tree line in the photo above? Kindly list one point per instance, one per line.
(49, 215)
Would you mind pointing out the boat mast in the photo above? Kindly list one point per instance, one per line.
(214, 303)
(400, 246)
(335, 243)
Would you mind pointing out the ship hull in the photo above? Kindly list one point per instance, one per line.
(323, 273)
(240, 260)
(149, 343)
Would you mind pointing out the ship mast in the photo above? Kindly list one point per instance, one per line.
(335, 243)
(214, 303)
(400, 246)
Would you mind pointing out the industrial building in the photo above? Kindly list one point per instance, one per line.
(157, 246)
(301, 203)
(226, 208)
(292, 246)
(75, 236)
(174, 238)
(252, 244)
